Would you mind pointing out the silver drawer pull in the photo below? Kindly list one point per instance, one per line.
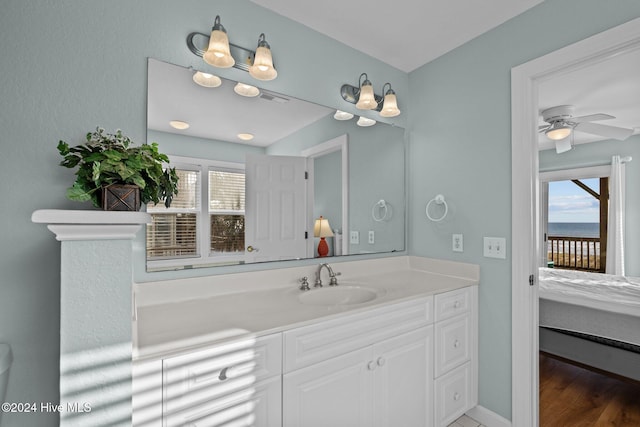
(456, 304)
(224, 374)
(456, 396)
(456, 344)
(381, 361)
(371, 365)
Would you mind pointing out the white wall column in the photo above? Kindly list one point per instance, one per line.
(96, 272)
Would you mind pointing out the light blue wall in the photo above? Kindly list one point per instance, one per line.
(459, 117)
(70, 65)
(599, 153)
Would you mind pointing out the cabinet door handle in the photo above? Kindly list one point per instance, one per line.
(371, 365)
(456, 304)
(456, 396)
(456, 344)
(381, 361)
(224, 374)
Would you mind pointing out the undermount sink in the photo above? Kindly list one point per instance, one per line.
(339, 295)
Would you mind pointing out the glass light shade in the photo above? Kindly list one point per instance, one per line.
(558, 132)
(206, 79)
(246, 90)
(262, 68)
(390, 106)
(322, 228)
(366, 100)
(342, 115)
(218, 53)
(365, 122)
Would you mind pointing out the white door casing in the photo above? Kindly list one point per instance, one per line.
(525, 199)
(275, 215)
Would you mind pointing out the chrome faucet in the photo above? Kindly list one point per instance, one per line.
(332, 276)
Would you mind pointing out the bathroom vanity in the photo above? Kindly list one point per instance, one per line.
(394, 344)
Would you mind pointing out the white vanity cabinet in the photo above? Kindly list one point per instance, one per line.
(455, 354)
(236, 383)
(369, 369)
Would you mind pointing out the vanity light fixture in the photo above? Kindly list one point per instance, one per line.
(243, 89)
(179, 124)
(365, 98)
(216, 50)
(342, 115)
(206, 79)
(390, 103)
(365, 122)
(262, 67)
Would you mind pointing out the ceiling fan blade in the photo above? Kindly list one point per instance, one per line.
(592, 118)
(563, 145)
(543, 128)
(604, 130)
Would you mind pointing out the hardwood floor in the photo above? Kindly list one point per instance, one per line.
(571, 395)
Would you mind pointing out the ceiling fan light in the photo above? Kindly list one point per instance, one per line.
(218, 53)
(558, 131)
(262, 67)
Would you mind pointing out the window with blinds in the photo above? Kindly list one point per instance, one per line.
(226, 210)
(173, 232)
(198, 231)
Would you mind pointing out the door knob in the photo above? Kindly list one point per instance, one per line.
(252, 249)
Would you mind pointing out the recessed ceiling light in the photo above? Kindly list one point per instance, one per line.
(206, 79)
(364, 122)
(245, 136)
(179, 124)
(342, 115)
(246, 90)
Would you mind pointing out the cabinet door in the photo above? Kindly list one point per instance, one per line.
(403, 386)
(336, 393)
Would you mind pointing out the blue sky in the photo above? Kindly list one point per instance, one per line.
(570, 203)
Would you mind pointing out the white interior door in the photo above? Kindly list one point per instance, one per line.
(275, 213)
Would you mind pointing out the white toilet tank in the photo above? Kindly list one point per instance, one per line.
(5, 362)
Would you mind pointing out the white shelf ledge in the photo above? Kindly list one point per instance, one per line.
(91, 225)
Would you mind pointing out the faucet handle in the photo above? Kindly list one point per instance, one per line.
(304, 284)
(334, 281)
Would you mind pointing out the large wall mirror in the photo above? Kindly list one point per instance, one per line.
(268, 177)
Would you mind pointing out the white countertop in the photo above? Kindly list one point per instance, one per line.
(173, 327)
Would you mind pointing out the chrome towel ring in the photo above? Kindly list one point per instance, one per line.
(439, 200)
(383, 210)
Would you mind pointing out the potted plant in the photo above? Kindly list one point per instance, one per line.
(114, 175)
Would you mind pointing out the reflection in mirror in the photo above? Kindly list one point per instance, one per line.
(259, 168)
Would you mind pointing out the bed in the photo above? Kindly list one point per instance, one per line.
(591, 318)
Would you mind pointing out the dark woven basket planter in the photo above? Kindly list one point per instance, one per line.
(118, 197)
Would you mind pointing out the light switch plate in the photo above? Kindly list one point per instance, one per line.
(495, 247)
(372, 237)
(354, 238)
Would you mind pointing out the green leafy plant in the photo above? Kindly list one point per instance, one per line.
(107, 159)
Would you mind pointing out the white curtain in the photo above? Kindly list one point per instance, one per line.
(615, 231)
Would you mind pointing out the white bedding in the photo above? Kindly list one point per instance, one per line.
(605, 292)
(590, 303)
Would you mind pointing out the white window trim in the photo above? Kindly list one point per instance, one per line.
(203, 223)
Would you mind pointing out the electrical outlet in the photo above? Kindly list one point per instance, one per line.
(457, 243)
(354, 237)
(495, 247)
(372, 237)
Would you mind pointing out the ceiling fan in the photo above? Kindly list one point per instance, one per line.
(561, 124)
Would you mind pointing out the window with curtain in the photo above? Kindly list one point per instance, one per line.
(205, 223)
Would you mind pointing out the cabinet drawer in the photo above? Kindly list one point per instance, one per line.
(453, 343)
(315, 343)
(452, 395)
(452, 303)
(217, 371)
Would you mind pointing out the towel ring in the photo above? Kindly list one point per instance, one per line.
(383, 206)
(439, 200)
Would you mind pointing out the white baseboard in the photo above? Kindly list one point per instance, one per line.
(488, 418)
